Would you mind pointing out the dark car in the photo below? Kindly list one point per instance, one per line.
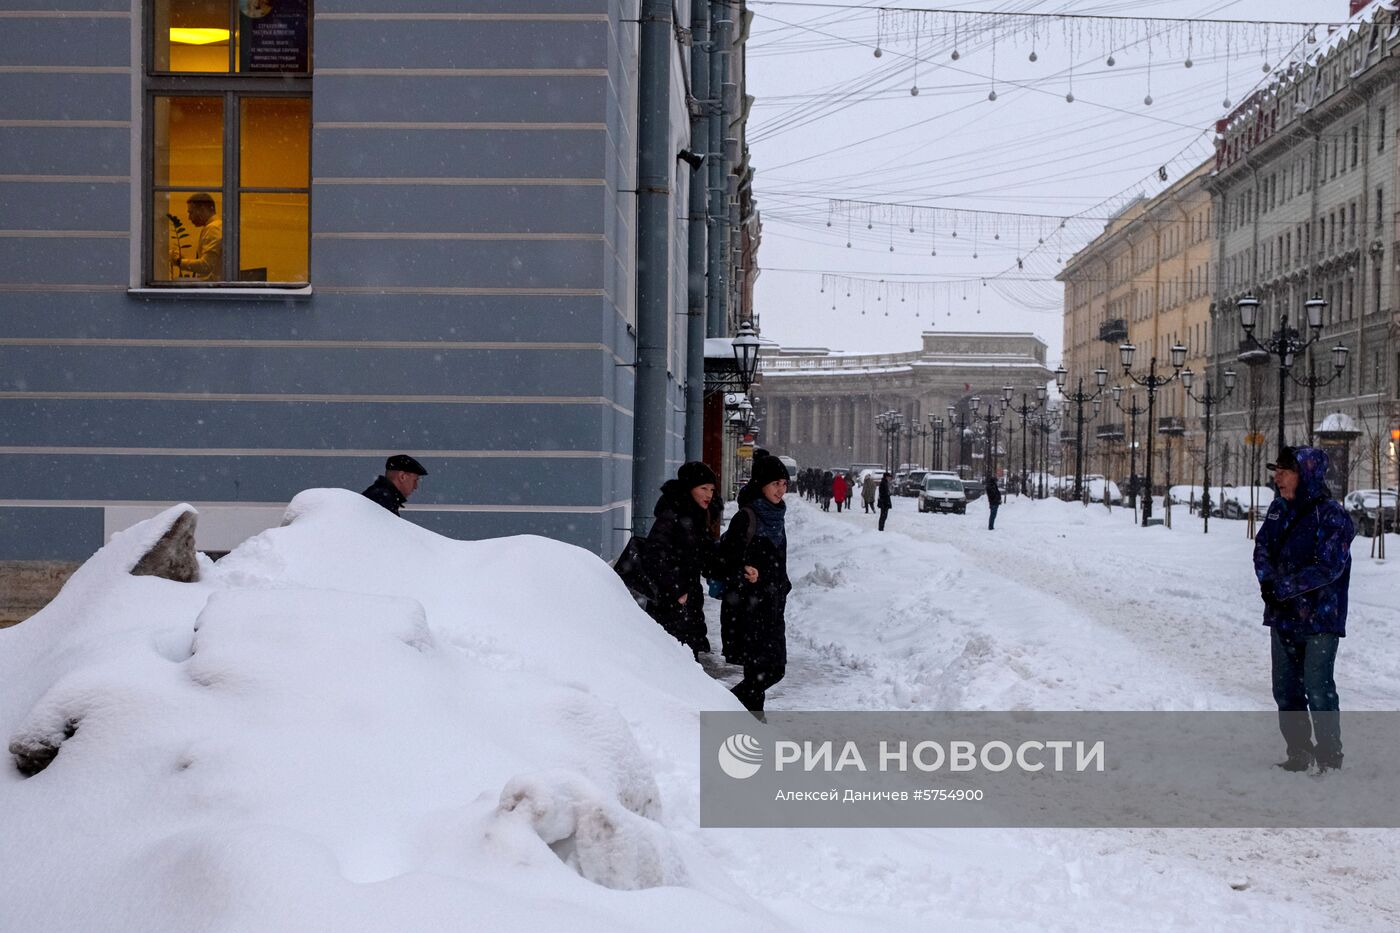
(1370, 509)
(974, 488)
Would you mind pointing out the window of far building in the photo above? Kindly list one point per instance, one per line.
(228, 142)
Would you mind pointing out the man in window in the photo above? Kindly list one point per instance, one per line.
(208, 260)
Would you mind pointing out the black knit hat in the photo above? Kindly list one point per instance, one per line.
(695, 473)
(767, 470)
(405, 463)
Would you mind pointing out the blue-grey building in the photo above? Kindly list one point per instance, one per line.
(253, 246)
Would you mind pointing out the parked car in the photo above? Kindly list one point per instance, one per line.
(1371, 508)
(942, 492)
(1098, 486)
(973, 488)
(897, 482)
(1192, 495)
(1234, 501)
(913, 483)
(791, 465)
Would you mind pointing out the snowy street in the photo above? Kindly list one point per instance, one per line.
(374, 727)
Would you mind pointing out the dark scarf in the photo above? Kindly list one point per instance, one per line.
(770, 521)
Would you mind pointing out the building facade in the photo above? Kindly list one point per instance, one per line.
(1147, 281)
(1305, 184)
(251, 248)
(820, 407)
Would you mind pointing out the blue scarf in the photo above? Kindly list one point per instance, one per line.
(770, 521)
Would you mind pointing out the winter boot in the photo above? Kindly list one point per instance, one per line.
(1299, 759)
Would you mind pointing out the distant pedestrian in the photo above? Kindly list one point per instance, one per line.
(838, 490)
(1302, 559)
(753, 555)
(679, 551)
(850, 490)
(398, 482)
(826, 491)
(882, 499)
(867, 490)
(993, 501)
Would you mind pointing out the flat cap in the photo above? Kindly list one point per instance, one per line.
(405, 463)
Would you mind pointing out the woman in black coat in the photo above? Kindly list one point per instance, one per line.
(883, 500)
(753, 560)
(680, 548)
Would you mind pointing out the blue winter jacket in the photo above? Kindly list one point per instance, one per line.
(1304, 549)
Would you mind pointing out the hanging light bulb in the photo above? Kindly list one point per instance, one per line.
(955, 56)
(996, 236)
(1188, 63)
(1069, 98)
(1033, 56)
(892, 249)
(1147, 100)
(1225, 103)
(914, 91)
(1111, 61)
(848, 244)
(992, 95)
(878, 53)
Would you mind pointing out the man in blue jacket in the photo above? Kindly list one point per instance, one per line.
(1302, 558)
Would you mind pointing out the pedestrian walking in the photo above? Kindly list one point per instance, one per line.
(680, 549)
(826, 491)
(993, 501)
(1302, 559)
(867, 490)
(398, 481)
(838, 490)
(850, 491)
(753, 555)
(882, 498)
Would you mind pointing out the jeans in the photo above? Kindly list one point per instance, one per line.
(757, 679)
(883, 514)
(1302, 674)
(992, 518)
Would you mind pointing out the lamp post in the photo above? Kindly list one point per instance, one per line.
(957, 426)
(1209, 398)
(1050, 421)
(1286, 343)
(991, 421)
(1024, 410)
(746, 353)
(1132, 411)
(1079, 397)
(1151, 382)
(935, 430)
(1312, 383)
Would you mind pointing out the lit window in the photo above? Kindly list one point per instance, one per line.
(228, 108)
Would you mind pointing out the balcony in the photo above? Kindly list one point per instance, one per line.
(1114, 331)
(1109, 432)
(1171, 424)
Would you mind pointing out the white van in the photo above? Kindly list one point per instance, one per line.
(942, 492)
(791, 465)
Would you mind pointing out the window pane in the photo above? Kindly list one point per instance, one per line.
(187, 225)
(189, 141)
(272, 238)
(192, 36)
(274, 142)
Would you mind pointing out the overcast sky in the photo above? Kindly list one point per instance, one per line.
(834, 123)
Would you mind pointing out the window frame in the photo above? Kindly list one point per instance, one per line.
(232, 87)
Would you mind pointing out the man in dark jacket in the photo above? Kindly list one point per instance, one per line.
(753, 554)
(1302, 559)
(400, 479)
(679, 550)
(993, 500)
(883, 500)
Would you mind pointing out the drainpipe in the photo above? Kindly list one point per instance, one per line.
(716, 320)
(697, 256)
(651, 410)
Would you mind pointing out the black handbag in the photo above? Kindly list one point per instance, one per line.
(631, 567)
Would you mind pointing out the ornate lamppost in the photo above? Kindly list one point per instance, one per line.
(1132, 411)
(1151, 382)
(1286, 343)
(957, 427)
(935, 430)
(1209, 398)
(1079, 397)
(1024, 410)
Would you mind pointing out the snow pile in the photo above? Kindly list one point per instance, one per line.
(352, 723)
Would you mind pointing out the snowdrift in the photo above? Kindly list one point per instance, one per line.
(352, 723)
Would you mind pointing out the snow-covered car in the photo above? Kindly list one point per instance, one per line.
(942, 492)
(1234, 501)
(1191, 496)
(1371, 509)
(1097, 486)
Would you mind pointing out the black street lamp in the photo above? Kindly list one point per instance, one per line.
(1079, 397)
(935, 430)
(1286, 343)
(1151, 382)
(746, 353)
(1132, 411)
(1049, 421)
(991, 428)
(1024, 410)
(957, 427)
(1209, 399)
(1312, 383)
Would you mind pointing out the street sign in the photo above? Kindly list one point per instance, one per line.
(1254, 438)
(745, 452)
